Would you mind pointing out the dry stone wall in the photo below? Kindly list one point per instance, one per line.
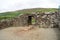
(45, 20)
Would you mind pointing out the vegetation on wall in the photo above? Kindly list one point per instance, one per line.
(8, 15)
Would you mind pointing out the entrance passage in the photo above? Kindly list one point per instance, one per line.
(31, 20)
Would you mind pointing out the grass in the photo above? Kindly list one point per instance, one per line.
(8, 15)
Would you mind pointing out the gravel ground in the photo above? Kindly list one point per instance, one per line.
(20, 33)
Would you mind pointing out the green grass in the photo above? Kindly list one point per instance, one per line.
(8, 15)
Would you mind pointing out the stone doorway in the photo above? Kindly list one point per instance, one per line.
(31, 20)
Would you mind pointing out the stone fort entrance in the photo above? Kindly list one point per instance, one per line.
(31, 20)
(42, 20)
(47, 20)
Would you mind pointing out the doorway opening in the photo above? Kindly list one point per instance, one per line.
(31, 20)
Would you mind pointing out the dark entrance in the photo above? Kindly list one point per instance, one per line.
(31, 20)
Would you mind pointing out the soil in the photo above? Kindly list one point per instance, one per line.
(29, 33)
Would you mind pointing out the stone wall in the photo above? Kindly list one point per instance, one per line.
(59, 18)
(47, 20)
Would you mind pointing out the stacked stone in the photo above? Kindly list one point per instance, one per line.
(5, 23)
(59, 16)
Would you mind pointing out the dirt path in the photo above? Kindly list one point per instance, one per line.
(17, 33)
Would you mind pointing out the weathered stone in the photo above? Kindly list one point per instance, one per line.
(47, 20)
